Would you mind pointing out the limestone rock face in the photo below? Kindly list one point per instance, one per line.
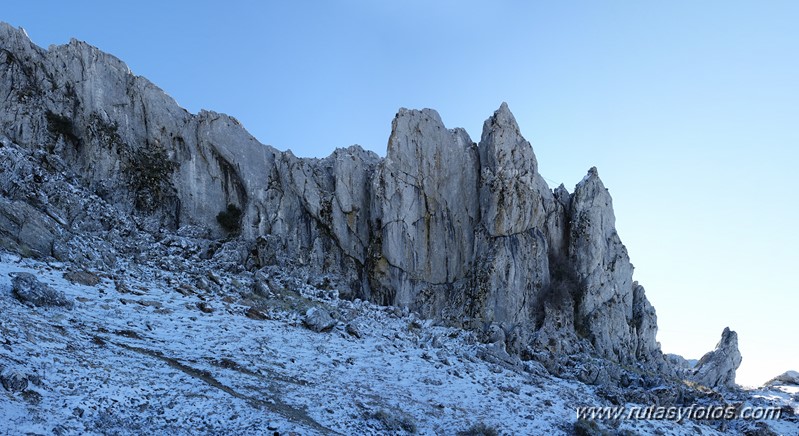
(351, 171)
(612, 310)
(513, 242)
(315, 213)
(644, 324)
(424, 209)
(512, 192)
(465, 233)
(716, 369)
(131, 142)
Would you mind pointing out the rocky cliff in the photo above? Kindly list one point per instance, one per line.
(466, 233)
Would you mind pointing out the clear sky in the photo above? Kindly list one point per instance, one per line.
(689, 109)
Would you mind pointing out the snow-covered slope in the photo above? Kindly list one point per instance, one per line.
(148, 351)
(154, 359)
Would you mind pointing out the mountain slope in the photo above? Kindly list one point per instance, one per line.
(463, 232)
(201, 251)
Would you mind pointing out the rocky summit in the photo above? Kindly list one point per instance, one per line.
(153, 215)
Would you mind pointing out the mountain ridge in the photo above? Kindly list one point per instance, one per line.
(442, 225)
(465, 234)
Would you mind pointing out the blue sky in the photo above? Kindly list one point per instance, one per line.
(689, 110)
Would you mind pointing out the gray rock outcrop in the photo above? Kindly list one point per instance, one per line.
(26, 230)
(424, 211)
(466, 233)
(790, 378)
(602, 267)
(681, 363)
(521, 226)
(716, 369)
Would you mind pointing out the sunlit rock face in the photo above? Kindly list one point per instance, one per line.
(604, 272)
(129, 140)
(466, 233)
(716, 369)
(425, 209)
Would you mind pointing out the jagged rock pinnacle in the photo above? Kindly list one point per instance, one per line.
(716, 369)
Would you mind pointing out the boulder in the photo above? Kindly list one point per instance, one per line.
(318, 319)
(29, 290)
(13, 381)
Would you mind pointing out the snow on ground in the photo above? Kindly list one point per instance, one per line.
(786, 395)
(158, 354)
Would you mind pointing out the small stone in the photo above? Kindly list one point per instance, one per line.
(185, 289)
(534, 367)
(85, 278)
(121, 287)
(354, 330)
(205, 307)
(255, 314)
(495, 334)
(214, 277)
(261, 285)
(509, 388)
